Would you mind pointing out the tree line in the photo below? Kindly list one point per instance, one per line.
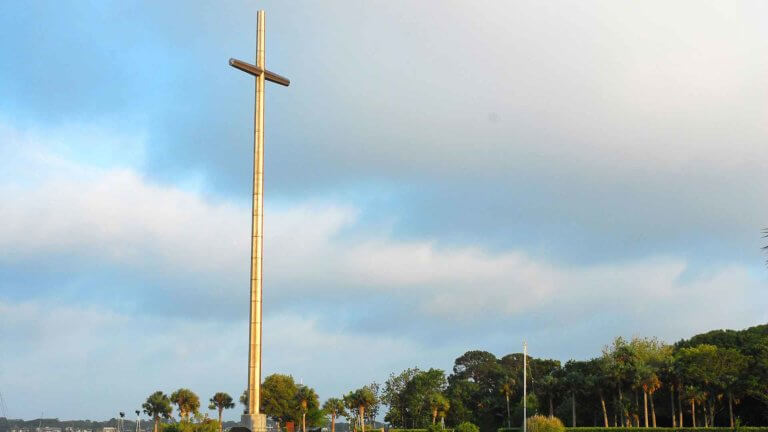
(718, 378)
(282, 400)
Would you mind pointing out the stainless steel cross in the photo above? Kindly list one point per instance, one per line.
(254, 420)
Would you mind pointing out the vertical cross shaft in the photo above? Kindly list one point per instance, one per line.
(257, 225)
(253, 418)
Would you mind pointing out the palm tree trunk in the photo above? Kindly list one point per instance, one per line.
(730, 408)
(362, 417)
(278, 425)
(693, 412)
(645, 407)
(636, 413)
(624, 413)
(573, 407)
(605, 412)
(157, 420)
(221, 425)
(333, 422)
(653, 410)
(434, 416)
(304, 422)
(680, 403)
(551, 409)
(672, 400)
(509, 424)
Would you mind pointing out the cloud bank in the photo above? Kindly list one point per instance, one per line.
(112, 276)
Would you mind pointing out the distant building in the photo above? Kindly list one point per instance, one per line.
(109, 429)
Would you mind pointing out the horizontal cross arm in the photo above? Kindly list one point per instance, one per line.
(256, 71)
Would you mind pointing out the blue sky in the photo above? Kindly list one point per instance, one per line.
(439, 178)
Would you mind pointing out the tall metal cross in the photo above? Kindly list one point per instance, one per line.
(253, 418)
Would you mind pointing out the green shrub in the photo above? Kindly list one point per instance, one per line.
(666, 429)
(434, 428)
(206, 425)
(467, 427)
(540, 423)
(407, 430)
(424, 430)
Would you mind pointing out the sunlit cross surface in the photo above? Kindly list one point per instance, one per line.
(254, 420)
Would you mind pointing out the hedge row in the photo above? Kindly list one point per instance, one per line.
(667, 429)
(656, 429)
(418, 430)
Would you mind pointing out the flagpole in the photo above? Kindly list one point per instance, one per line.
(525, 385)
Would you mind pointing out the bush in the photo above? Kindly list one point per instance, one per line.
(656, 429)
(406, 430)
(666, 429)
(206, 425)
(425, 430)
(517, 410)
(540, 423)
(467, 427)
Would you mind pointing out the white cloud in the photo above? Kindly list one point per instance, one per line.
(84, 362)
(117, 216)
(94, 215)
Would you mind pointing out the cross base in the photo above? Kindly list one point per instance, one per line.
(254, 422)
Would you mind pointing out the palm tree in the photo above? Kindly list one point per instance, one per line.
(221, 401)
(442, 413)
(361, 398)
(122, 416)
(693, 395)
(668, 377)
(138, 420)
(574, 380)
(307, 400)
(620, 360)
(595, 381)
(186, 401)
(158, 405)
(352, 412)
(334, 407)
(437, 403)
(507, 388)
(651, 383)
(549, 386)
